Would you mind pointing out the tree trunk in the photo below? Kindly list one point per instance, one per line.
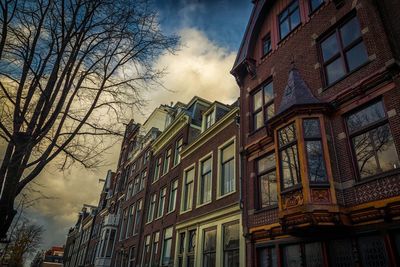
(10, 186)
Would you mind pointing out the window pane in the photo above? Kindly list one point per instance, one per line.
(192, 241)
(357, 56)
(210, 240)
(284, 28)
(375, 151)
(228, 179)
(315, 4)
(287, 135)
(270, 111)
(231, 236)
(330, 47)
(206, 166)
(373, 251)
(316, 163)
(258, 120)
(227, 152)
(266, 163)
(314, 255)
(267, 257)
(268, 190)
(295, 18)
(311, 128)
(268, 92)
(292, 256)
(341, 253)
(266, 45)
(365, 117)
(335, 71)
(290, 166)
(257, 100)
(350, 31)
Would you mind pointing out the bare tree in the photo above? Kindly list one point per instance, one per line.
(25, 241)
(69, 72)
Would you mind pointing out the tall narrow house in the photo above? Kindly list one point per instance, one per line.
(320, 133)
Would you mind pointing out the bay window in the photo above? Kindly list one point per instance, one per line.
(314, 149)
(288, 156)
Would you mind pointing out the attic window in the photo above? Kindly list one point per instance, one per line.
(209, 119)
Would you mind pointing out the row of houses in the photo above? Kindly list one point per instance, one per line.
(302, 170)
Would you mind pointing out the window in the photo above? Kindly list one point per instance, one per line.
(146, 251)
(266, 44)
(146, 157)
(266, 174)
(266, 257)
(289, 19)
(205, 181)
(137, 217)
(110, 244)
(188, 190)
(167, 161)
(167, 245)
(143, 180)
(181, 248)
(132, 257)
(373, 251)
(191, 248)
(123, 225)
(210, 119)
(263, 105)
(231, 245)
(315, 4)
(131, 220)
(372, 140)
(157, 169)
(177, 153)
(136, 186)
(161, 202)
(154, 249)
(209, 248)
(172, 196)
(228, 169)
(341, 252)
(152, 206)
(288, 156)
(129, 192)
(343, 51)
(309, 254)
(315, 153)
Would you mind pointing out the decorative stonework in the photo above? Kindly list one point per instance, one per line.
(264, 218)
(320, 196)
(292, 199)
(378, 189)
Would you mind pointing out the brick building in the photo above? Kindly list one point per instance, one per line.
(320, 133)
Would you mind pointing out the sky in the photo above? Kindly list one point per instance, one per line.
(211, 33)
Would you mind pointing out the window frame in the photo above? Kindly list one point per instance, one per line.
(152, 208)
(205, 158)
(231, 141)
(177, 150)
(157, 169)
(363, 130)
(175, 190)
(264, 105)
(342, 50)
(295, 142)
(161, 206)
(167, 161)
(263, 40)
(261, 174)
(291, 28)
(184, 193)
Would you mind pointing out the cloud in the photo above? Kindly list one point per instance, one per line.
(200, 67)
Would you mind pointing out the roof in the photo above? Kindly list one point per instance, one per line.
(296, 92)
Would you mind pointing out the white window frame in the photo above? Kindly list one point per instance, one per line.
(193, 166)
(232, 140)
(210, 155)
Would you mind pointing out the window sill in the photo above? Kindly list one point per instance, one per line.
(345, 76)
(378, 176)
(291, 189)
(266, 55)
(324, 185)
(312, 12)
(225, 195)
(253, 132)
(185, 211)
(269, 208)
(203, 204)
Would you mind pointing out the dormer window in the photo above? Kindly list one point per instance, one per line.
(209, 120)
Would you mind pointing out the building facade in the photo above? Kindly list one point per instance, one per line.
(320, 133)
